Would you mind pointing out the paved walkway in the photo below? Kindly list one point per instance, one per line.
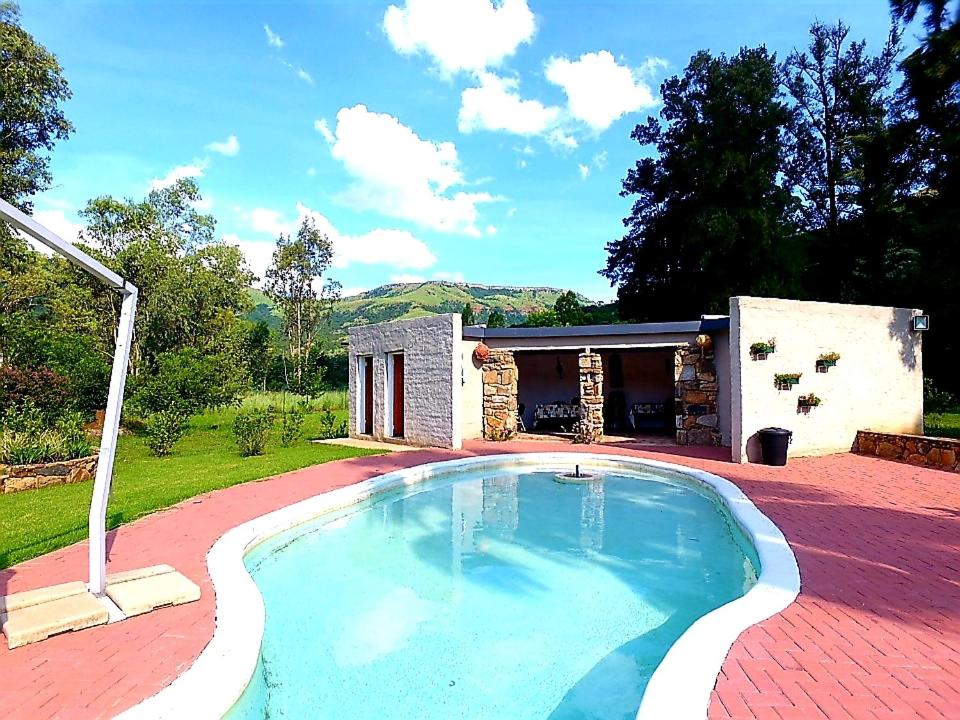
(875, 632)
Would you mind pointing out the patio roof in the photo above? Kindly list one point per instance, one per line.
(705, 324)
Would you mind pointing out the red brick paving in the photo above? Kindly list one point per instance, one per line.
(874, 634)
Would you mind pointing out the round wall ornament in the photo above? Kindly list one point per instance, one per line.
(481, 353)
(705, 341)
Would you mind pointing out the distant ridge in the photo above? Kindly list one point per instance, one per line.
(418, 299)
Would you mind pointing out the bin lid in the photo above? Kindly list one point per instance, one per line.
(776, 431)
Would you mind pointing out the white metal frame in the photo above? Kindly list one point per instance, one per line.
(118, 376)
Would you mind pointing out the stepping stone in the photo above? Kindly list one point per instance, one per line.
(35, 615)
(139, 591)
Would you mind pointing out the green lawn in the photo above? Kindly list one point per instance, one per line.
(37, 521)
(942, 424)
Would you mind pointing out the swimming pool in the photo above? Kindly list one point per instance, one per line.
(484, 588)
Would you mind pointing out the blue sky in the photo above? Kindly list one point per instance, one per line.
(430, 138)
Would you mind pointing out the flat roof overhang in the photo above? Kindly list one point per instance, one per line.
(662, 334)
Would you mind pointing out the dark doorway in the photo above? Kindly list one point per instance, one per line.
(398, 395)
(368, 396)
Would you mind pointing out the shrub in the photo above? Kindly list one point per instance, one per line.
(30, 445)
(185, 381)
(936, 400)
(291, 424)
(40, 388)
(163, 429)
(250, 428)
(330, 428)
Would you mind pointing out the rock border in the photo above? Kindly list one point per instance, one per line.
(18, 478)
(919, 450)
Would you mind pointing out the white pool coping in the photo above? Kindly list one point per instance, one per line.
(679, 689)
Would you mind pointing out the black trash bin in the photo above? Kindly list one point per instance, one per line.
(773, 445)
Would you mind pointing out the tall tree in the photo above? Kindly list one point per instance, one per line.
(32, 87)
(568, 309)
(711, 219)
(297, 270)
(842, 100)
(467, 315)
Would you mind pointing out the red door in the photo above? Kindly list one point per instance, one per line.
(368, 396)
(398, 395)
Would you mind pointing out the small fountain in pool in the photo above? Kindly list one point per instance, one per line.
(576, 476)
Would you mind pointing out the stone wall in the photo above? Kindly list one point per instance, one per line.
(591, 397)
(14, 478)
(500, 396)
(939, 453)
(695, 373)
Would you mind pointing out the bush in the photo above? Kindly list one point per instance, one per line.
(186, 381)
(163, 429)
(291, 424)
(936, 400)
(26, 443)
(40, 388)
(330, 428)
(250, 428)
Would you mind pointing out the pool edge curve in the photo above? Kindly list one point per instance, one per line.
(679, 688)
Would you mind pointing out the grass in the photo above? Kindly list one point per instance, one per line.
(942, 424)
(37, 521)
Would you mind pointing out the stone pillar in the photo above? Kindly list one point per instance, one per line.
(695, 396)
(591, 397)
(499, 396)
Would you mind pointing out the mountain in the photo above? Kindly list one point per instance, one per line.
(409, 300)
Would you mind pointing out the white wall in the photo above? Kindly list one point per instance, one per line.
(432, 377)
(721, 358)
(472, 417)
(877, 384)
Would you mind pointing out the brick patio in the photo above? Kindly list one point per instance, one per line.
(875, 632)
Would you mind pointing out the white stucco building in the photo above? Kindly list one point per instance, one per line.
(430, 381)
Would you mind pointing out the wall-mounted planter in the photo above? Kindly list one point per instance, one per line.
(806, 402)
(760, 350)
(786, 381)
(827, 361)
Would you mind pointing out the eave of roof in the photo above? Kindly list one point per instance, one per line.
(663, 328)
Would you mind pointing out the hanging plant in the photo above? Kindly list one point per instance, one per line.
(481, 353)
(808, 401)
(760, 350)
(785, 381)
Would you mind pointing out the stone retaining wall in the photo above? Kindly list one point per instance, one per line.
(499, 396)
(14, 478)
(939, 453)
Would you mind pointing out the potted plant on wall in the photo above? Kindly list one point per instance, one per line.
(827, 360)
(786, 381)
(805, 402)
(760, 350)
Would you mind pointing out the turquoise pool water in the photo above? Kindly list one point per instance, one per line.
(491, 595)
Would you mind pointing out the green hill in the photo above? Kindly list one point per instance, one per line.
(410, 300)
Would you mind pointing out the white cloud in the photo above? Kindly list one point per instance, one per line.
(311, 172)
(321, 127)
(204, 204)
(305, 76)
(456, 277)
(381, 246)
(600, 160)
(229, 147)
(273, 40)
(522, 164)
(599, 91)
(491, 230)
(511, 212)
(495, 105)
(57, 221)
(460, 34)
(559, 140)
(351, 291)
(584, 171)
(193, 170)
(401, 175)
(652, 66)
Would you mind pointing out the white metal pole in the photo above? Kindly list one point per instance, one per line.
(108, 445)
(111, 422)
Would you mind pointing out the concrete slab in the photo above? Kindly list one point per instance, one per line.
(139, 591)
(23, 624)
(20, 600)
(369, 444)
